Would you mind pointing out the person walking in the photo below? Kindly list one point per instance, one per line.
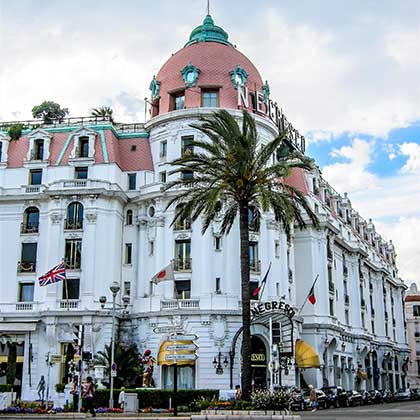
(121, 398)
(238, 393)
(313, 398)
(88, 395)
(75, 393)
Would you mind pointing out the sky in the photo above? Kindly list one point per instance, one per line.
(346, 73)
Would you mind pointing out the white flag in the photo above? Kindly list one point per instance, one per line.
(166, 273)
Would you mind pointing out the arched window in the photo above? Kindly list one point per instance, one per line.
(30, 222)
(74, 220)
(129, 217)
(182, 223)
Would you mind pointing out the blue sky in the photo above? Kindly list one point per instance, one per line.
(346, 73)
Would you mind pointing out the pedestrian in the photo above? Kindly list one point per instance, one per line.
(121, 398)
(88, 395)
(238, 393)
(74, 391)
(313, 398)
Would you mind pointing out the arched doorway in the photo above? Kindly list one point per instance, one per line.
(258, 363)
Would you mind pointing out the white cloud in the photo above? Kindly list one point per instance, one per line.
(412, 150)
(353, 175)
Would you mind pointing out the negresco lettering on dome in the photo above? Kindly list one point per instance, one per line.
(263, 105)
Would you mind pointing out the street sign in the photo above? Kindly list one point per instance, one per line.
(114, 367)
(178, 347)
(191, 356)
(167, 329)
(56, 358)
(114, 373)
(183, 337)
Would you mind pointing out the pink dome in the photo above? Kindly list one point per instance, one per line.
(214, 61)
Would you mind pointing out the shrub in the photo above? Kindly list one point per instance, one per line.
(267, 400)
(6, 388)
(15, 131)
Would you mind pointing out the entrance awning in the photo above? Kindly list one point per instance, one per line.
(163, 352)
(306, 355)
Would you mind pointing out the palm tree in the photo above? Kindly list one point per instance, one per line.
(232, 176)
(102, 111)
(127, 361)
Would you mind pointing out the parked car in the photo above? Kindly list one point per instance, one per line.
(403, 394)
(355, 398)
(377, 397)
(337, 396)
(387, 395)
(415, 394)
(367, 397)
(298, 402)
(321, 398)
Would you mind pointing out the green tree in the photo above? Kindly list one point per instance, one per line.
(127, 361)
(102, 111)
(49, 111)
(233, 175)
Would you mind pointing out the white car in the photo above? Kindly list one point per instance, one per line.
(403, 394)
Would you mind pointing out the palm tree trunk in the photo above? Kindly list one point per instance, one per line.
(246, 310)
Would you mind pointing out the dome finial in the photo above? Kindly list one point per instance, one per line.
(208, 7)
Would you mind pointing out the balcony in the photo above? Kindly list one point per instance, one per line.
(255, 266)
(346, 299)
(32, 189)
(184, 224)
(29, 227)
(73, 224)
(68, 304)
(26, 267)
(24, 306)
(182, 264)
(72, 264)
(168, 305)
(75, 183)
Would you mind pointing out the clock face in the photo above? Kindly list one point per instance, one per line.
(190, 77)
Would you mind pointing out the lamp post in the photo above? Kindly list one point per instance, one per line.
(217, 363)
(114, 288)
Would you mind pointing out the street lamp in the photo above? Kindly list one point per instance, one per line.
(114, 288)
(217, 363)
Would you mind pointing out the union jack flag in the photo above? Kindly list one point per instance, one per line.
(56, 274)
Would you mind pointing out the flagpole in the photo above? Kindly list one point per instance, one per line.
(263, 288)
(66, 286)
(306, 299)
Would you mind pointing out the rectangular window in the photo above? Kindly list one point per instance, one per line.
(185, 175)
(416, 310)
(132, 181)
(346, 315)
(81, 173)
(210, 98)
(26, 292)
(28, 258)
(73, 254)
(218, 243)
(331, 307)
(83, 151)
(39, 150)
(128, 253)
(182, 289)
(182, 255)
(363, 320)
(218, 285)
(71, 289)
(35, 177)
(127, 288)
(179, 101)
(162, 177)
(186, 145)
(163, 149)
(253, 292)
(151, 247)
(253, 256)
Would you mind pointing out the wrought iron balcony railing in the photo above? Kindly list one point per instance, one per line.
(26, 267)
(73, 224)
(29, 227)
(72, 264)
(183, 264)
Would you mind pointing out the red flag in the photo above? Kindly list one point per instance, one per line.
(260, 286)
(311, 296)
(166, 273)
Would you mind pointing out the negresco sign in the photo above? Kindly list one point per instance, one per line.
(261, 104)
(273, 306)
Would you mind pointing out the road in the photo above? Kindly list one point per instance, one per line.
(401, 411)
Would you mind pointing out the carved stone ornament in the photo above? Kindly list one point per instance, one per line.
(160, 221)
(91, 217)
(218, 329)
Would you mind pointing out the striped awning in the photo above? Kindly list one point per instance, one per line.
(163, 351)
(305, 355)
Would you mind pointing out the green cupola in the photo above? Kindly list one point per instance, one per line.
(208, 32)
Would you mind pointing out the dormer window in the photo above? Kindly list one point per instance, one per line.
(39, 146)
(210, 98)
(178, 101)
(84, 144)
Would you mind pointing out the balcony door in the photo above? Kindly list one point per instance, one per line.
(183, 255)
